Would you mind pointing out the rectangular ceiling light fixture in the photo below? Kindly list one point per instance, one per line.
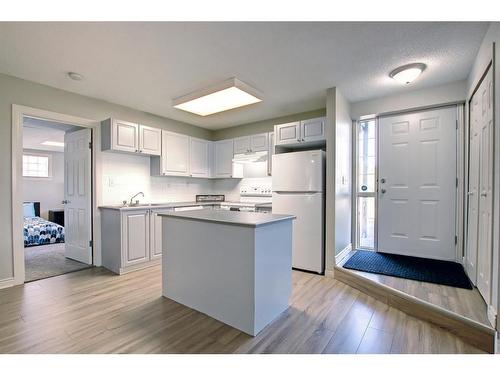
(226, 95)
(53, 143)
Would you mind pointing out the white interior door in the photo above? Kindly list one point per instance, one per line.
(78, 196)
(417, 184)
(473, 191)
(484, 114)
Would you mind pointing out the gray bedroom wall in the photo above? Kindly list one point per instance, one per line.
(17, 91)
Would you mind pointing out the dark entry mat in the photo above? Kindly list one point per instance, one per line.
(421, 269)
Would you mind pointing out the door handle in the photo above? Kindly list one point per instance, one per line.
(484, 194)
(65, 201)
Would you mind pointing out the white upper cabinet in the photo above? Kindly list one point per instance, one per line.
(199, 157)
(223, 159)
(149, 140)
(312, 130)
(119, 135)
(300, 132)
(242, 145)
(285, 134)
(174, 154)
(125, 136)
(251, 143)
(259, 142)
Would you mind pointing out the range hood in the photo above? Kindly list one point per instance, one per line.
(250, 157)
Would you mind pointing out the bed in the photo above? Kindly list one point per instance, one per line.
(38, 231)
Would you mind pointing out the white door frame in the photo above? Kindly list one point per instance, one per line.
(460, 165)
(18, 112)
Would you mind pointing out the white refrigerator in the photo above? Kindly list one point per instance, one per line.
(299, 189)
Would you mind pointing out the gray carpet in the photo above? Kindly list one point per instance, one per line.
(47, 261)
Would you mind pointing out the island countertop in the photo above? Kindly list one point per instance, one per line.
(250, 219)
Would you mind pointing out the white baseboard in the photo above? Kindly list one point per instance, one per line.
(7, 283)
(492, 316)
(343, 253)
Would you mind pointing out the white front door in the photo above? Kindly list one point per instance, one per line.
(78, 196)
(417, 184)
(485, 187)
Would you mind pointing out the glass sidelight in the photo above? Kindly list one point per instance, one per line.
(366, 177)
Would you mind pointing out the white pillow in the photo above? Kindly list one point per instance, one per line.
(28, 209)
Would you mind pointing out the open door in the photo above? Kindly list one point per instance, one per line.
(78, 195)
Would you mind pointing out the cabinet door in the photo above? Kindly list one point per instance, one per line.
(149, 140)
(223, 158)
(135, 237)
(313, 130)
(175, 154)
(125, 136)
(259, 142)
(156, 233)
(199, 158)
(242, 145)
(285, 134)
(270, 154)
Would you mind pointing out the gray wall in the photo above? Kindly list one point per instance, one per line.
(449, 93)
(487, 52)
(48, 191)
(338, 176)
(18, 91)
(264, 126)
(343, 173)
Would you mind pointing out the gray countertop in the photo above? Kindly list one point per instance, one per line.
(251, 219)
(169, 205)
(155, 205)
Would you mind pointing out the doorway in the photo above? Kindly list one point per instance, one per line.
(92, 190)
(408, 167)
(57, 191)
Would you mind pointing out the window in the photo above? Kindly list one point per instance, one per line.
(365, 186)
(36, 165)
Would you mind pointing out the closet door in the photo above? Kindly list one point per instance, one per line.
(485, 188)
(472, 191)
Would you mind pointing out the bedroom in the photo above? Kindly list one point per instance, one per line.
(48, 178)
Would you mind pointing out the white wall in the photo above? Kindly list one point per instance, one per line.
(343, 173)
(412, 99)
(125, 175)
(48, 191)
(484, 56)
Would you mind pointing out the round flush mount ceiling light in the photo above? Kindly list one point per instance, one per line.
(75, 76)
(407, 73)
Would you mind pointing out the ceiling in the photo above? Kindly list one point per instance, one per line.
(36, 131)
(146, 65)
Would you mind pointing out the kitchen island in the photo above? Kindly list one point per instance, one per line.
(233, 266)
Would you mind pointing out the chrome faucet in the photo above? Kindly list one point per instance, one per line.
(131, 199)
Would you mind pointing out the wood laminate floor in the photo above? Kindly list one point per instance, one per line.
(95, 311)
(465, 302)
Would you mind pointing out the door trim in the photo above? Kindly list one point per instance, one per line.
(18, 112)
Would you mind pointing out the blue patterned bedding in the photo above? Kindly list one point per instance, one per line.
(38, 231)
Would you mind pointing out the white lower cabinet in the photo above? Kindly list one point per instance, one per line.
(131, 239)
(155, 235)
